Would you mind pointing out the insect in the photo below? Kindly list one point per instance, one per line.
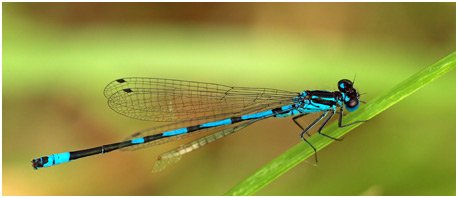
(197, 107)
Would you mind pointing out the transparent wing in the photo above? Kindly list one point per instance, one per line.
(174, 155)
(167, 100)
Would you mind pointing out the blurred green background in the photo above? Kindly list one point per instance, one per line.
(58, 57)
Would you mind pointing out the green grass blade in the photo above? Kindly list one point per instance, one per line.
(302, 151)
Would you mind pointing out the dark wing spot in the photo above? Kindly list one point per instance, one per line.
(120, 80)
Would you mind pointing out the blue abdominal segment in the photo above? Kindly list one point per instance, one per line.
(257, 115)
(175, 132)
(55, 159)
(138, 141)
(217, 123)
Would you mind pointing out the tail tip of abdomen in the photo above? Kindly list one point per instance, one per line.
(37, 163)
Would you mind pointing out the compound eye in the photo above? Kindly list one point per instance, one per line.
(344, 84)
(352, 105)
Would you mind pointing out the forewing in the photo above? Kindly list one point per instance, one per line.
(168, 100)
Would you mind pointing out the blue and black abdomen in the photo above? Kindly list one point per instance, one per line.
(54, 159)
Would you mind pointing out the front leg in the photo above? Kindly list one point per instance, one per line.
(341, 116)
(325, 122)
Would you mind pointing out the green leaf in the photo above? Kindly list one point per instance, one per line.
(302, 151)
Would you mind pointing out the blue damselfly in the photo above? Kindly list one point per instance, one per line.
(196, 107)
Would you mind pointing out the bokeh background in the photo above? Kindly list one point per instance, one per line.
(58, 57)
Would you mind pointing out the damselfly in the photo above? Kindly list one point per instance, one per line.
(196, 107)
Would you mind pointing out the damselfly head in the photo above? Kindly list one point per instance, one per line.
(351, 95)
